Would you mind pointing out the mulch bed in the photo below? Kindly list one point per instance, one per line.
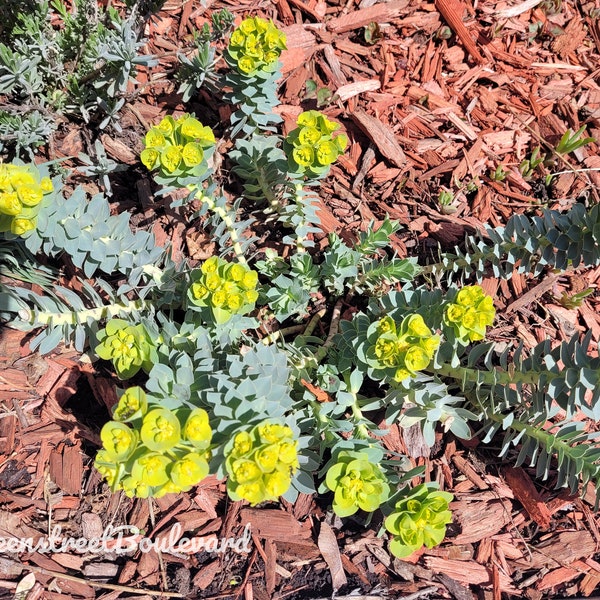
(445, 94)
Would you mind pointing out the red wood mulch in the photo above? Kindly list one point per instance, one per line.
(424, 112)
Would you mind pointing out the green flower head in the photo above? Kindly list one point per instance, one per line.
(192, 129)
(178, 149)
(242, 444)
(151, 468)
(189, 470)
(127, 346)
(118, 440)
(136, 488)
(402, 349)
(150, 158)
(196, 429)
(155, 138)
(170, 158)
(22, 190)
(255, 46)
(225, 288)
(267, 457)
(108, 468)
(132, 405)
(470, 314)
(310, 147)
(10, 204)
(356, 483)
(160, 429)
(261, 462)
(166, 126)
(418, 519)
(192, 154)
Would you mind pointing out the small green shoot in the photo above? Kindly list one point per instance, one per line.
(570, 141)
(571, 301)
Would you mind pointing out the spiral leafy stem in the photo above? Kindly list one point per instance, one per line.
(229, 222)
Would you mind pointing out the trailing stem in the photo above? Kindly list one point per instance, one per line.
(98, 313)
(229, 223)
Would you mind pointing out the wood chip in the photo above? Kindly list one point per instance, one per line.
(479, 520)
(452, 10)
(382, 136)
(468, 573)
(561, 549)
(383, 12)
(328, 546)
(526, 493)
(350, 90)
(276, 525)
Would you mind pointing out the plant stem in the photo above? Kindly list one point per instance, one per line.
(333, 329)
(306, 331)
(298, 198)
(497, 377)
(225, 216)
(362, 431)
(82, 316)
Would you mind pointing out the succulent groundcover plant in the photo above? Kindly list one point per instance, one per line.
(221, 350)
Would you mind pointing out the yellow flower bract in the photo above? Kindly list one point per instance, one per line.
(261, 462)
(21, 193)
(177, 147)
(255, 45)
(226, 288)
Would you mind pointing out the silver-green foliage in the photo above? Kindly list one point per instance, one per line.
(100, 166)
(481, 388)
(94, 239)
(199, 69)
(531, 244)
(68, 317)
(256, 97)
(241, 381)
(23, 133)
(82, 68)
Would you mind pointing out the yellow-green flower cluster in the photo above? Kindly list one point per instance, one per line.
(418, 519)
(178, 148)
(311, 147)
(255, 46)
(227, 288)
(405, 349)
(21, 193)
(128, 347)
(357, 483)
(260, 463)
(470, 314)
(152, 451)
